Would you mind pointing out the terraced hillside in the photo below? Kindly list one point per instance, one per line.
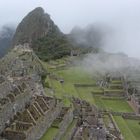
(66, 81)
(58, 100)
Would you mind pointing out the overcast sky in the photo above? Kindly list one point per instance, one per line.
(68, 13)
(122, 15)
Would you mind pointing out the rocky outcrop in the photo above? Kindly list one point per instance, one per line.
(35, 25)
(43, 35)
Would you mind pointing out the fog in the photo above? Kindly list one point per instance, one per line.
(102, 63)
(121, 18)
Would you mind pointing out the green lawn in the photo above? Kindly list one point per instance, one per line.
(99, 102)
(114, 105)
(130, 128)
(76, 75)
(50, 134)
(85, 94)
(134, 126)
(67, 89)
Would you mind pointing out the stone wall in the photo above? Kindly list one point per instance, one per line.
(8, 111)
(44, 123)
(64, 124)
(117, 132)
(32, 123)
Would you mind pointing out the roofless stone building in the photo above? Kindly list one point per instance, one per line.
(25, 111)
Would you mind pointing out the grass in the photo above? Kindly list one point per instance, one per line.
(67, 89)
(70, 127)
(106, 120)
(117, 105)
(66, 102)
(85, 94)
(134, 126)
(116, 82)
(130, 128)
(115, 91)
(114, 105)
(50, 134)
(75, 75)
(99, 102)
(126, 132)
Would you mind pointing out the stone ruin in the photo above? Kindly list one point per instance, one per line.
(133, 88)
(90, 124)
(34, 120)
(24, 108)
(113, 86)
(129, 84)
(26, 113)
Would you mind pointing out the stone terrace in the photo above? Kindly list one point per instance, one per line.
(31, 123)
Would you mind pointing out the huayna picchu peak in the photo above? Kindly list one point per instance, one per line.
(46, 39)
(35, 25)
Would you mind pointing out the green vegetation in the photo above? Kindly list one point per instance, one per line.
(119, 91)
(129, 128)
(52, 46)
(76, 75)
(85, 94)
(113, 105)
(134, 126)
(50, 134)
(116, 82)
(72, 75)
(71, 126)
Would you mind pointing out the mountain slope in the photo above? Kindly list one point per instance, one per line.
(42, 34)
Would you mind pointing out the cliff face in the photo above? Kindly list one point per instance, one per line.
(43, 35)
(35, 25)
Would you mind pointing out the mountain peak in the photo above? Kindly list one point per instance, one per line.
(38, 9)
(35, 25)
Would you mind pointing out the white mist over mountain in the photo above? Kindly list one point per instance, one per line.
(122, 16)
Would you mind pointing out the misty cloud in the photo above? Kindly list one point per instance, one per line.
(103, 63)
(121, 16)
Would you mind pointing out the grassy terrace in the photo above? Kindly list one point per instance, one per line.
(52, 131)
(50, 134)
(116, 82)
(75, 75)
(71, 126)
(130, 128)
(85, 94)
(67, 89)
(113, 105)
(114, 90)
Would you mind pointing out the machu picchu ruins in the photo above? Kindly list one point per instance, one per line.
(74, 82)
(27, 112)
